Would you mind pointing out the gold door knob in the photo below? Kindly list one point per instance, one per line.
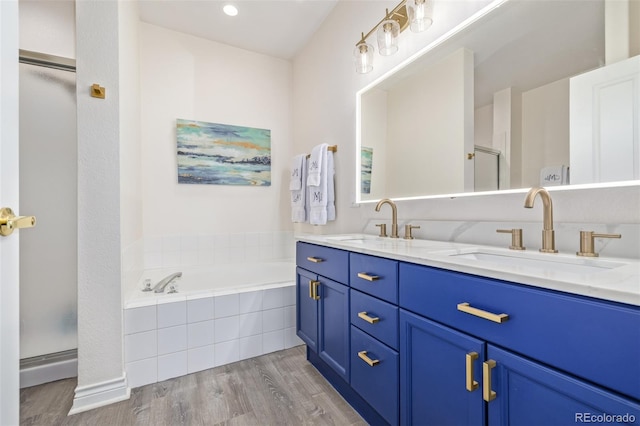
(9, 221)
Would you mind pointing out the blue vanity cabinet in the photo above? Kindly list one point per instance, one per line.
(322, 314)
(306, 309)
(536, 362)
(529, 393)
(440, 371)
(333, 326)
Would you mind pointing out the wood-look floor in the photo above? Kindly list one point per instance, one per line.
(281, 388)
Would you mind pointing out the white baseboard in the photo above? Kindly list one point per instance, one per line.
(100, 394)
(50, 372)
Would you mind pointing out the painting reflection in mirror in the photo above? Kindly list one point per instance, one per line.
(526, 95)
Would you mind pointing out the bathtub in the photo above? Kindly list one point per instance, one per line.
(220, 314)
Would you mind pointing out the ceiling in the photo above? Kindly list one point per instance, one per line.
(278, 28)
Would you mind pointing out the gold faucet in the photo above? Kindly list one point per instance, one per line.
(394, 215)
(548, 234)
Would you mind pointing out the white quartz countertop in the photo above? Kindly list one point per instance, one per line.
(607, 278)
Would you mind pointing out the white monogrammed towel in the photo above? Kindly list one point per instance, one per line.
(299, 196)
(318, 187)
(295, 182)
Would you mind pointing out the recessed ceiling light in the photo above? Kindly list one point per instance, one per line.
(230, 10)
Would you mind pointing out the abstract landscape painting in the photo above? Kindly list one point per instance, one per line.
(221, 154)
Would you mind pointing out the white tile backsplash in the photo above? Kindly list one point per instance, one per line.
(140, 319)
(273, 341)
(227, 328)
(226, 352)
(272, 319)
(200, 334)
(201, 358)
(251, 346)
(171, 251)
(200, 309)
(172, 365)
(171, 314)
(172, 339)
(138, 346)
(251, 301)
(142, 372)
(272, 298)
(250, 324)
(226, 306)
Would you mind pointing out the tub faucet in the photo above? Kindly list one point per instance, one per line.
(394, 215)
(159, 288)
(548, 234)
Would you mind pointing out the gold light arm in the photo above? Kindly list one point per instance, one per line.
(399, 13)
(367, 318)
(468, 309)
(487, 394)
(471, 357)
(372, 362)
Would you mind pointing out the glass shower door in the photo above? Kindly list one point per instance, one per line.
(48, 181)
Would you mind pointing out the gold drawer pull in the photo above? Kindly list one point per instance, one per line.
(487, 394)
(368, 277)
(315, 259)
(313, 289)
(466, 308)
(471, 384)
(372, 362)
(367, 318)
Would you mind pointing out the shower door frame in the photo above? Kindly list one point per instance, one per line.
(63, 364)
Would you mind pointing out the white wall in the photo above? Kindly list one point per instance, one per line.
(100, 349)
(429, 140)
(545, 129)
(130, 146)
(48, 27)
(324, 111)
(191, 78)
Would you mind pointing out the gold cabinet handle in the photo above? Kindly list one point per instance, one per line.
(367, 318)
(368, 277)
(372, 362)
(466, 308)
(315, 259)
(487, 394)
(9, 221)
(313, 289)
(471, 358)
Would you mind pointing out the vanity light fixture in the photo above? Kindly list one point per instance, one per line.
(388, 33)
(416, 14)
(230, 10)
(420, 13)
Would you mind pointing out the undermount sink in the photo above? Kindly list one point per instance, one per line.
(540, 261)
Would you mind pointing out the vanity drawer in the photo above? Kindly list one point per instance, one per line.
(376, 317)
(378, 384)
(375, 276)
(328, 262)
(552, 327)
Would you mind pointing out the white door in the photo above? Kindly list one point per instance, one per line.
(604, 116)
(9, 249)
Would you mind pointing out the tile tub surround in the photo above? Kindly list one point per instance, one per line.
(178, 336)
(170, 251)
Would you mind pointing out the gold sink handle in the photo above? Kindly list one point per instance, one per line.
(9, 221)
